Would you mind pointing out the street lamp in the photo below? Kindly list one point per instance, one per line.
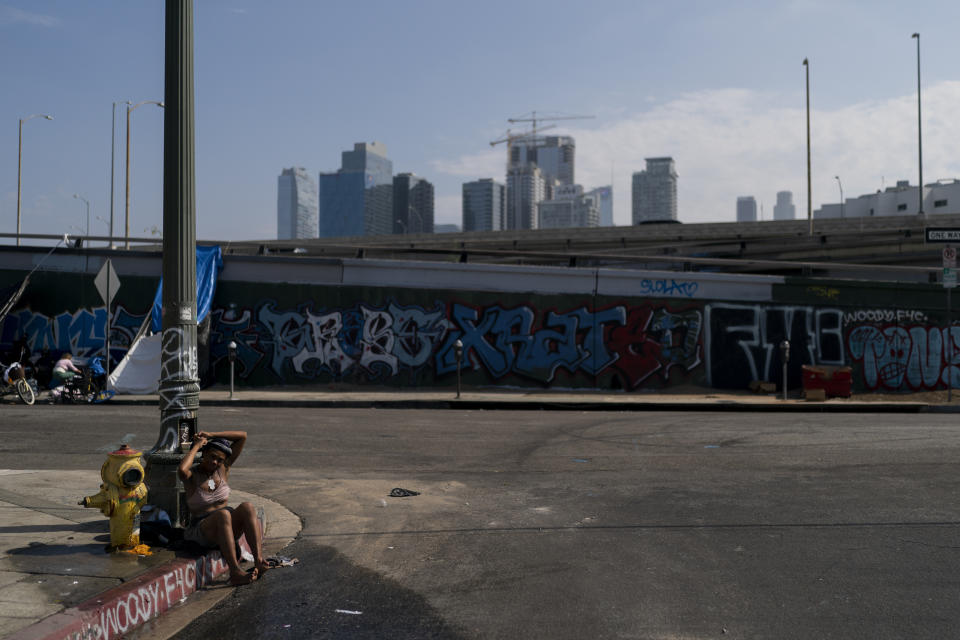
(413, 209)
(806, 66)
(841, 194)
(130, 109)
(20, 162)
(78, 196)
(919, 136)
(403, 224)
(106, 222)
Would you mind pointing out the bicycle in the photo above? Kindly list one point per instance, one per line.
(15, 381)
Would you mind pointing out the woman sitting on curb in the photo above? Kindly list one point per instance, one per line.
(212, 523)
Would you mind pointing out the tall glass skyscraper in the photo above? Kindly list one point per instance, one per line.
(358, 199)
(412, 204)
(655, 191)
(554, 155)
(484, 205)
(603, 196)
(784, 209)
(746, 209)
(297, 214)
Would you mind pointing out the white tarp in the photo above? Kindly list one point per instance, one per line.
(139, 371)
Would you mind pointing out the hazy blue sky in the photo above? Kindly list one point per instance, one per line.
(717, 85)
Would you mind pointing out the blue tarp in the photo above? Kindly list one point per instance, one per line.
(209, 265)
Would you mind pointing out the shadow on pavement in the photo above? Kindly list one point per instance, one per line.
(324, 596)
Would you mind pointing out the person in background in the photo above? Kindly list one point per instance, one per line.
(65, 370)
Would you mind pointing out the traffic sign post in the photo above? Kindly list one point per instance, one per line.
(948, 236)
(949, 257)
(949, 282)
(107, 283)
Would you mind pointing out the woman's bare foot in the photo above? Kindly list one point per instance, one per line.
(242, 577)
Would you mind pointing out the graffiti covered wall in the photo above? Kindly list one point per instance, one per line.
(616, 345)
(630, 333)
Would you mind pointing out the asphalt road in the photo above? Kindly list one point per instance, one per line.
(575, 525)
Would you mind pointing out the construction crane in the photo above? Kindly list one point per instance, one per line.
(533, 120)
(510, 138)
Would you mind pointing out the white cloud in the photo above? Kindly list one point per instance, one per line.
(474, 166)
(10, 15)
(734, 142)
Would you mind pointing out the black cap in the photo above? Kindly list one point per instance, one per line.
(220, 444)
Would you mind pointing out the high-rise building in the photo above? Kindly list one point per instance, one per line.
(570, 207)
(357, 199)
(655, 191)
(484, 205)
(412, 204)
(784, 209)
(746, 209)
(603, 196)
(554, 155)
(296, 205)
(525, 189)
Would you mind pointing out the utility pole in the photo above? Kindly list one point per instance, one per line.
(919, 128)
(179, 386)
(806, 66)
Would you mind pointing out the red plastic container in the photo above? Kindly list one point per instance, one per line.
(835, 381)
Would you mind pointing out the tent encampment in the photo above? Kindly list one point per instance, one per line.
(139, 371)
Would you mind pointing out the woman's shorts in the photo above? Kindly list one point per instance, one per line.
(194, 533)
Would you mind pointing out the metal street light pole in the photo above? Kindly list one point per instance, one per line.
(410, 207)
(806, 66)
(840, 184)
(20, 162)
(106, 222)
(403, 224)
(77, 195)
(179, 386)
(113, 149)
(130, 109)
(919, 135)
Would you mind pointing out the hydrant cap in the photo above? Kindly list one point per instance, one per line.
(124, 450)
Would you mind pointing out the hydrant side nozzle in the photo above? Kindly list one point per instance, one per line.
(101, 500)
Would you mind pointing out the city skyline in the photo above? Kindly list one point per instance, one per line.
(733, 120)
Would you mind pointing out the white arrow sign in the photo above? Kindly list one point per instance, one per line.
(107, 282)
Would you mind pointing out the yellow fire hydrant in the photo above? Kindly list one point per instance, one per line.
(121, 495)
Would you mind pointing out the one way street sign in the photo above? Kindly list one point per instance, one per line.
(942, 234)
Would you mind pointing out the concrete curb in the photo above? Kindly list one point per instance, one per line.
(126, 607)
(787, 406)
(141, 600)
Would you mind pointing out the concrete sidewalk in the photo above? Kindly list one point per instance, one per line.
(57, 580)
(571, 399)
